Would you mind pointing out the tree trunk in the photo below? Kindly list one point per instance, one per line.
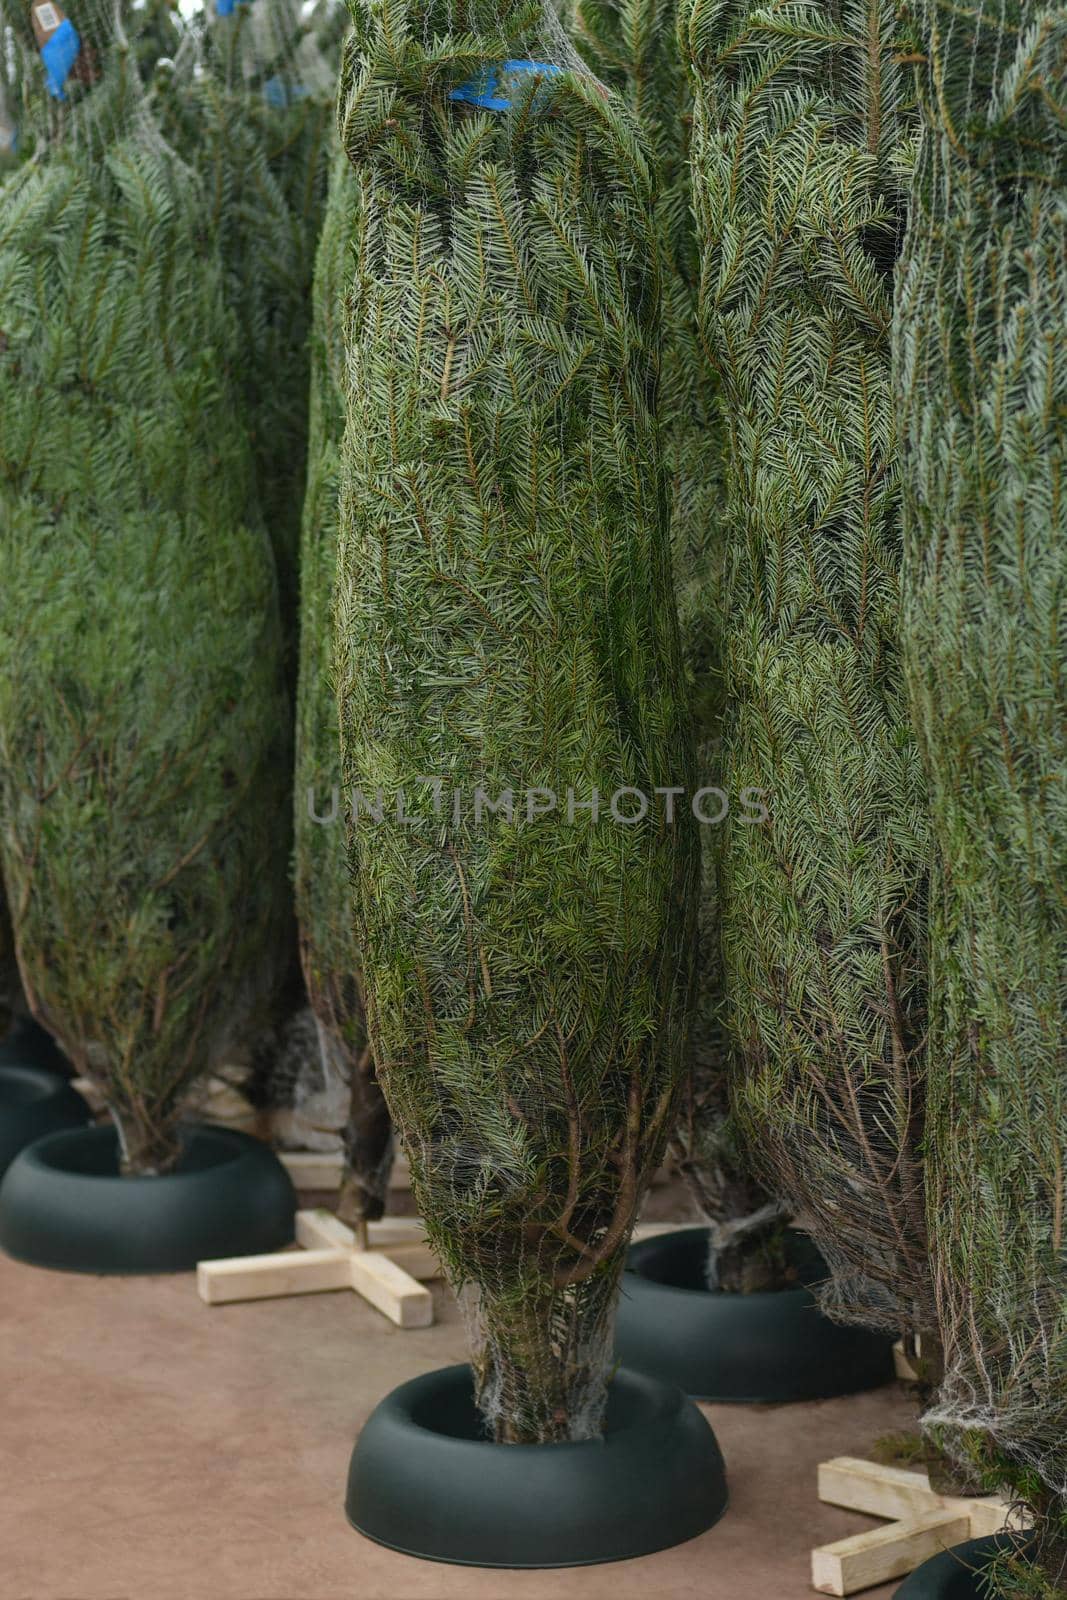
(147, 1151)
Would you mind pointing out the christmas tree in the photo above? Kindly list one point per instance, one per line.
(508, 654)
(249, 103)
(633, 46)
(325, 912)
(250, 108)
(802, 130)
(981, 382)
(144, 751)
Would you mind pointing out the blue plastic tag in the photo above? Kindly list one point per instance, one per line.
(59, 54)
(279, 95)
(225, 8)
(490, 88)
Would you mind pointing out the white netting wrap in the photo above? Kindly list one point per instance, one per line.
(981, 381)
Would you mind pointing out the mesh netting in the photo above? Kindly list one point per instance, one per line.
(143, 721)
(328, 949)
(633, 46)
(981, 378)
(506, 622)
(802, 126)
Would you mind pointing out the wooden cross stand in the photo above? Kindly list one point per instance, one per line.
(921, 1523)
(386, 1270)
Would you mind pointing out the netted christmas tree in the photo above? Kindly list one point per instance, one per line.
(324, 902)
(144, 746)
(506, 634)
(981, 381)
(248, 102)
(802, 128)
(633, 46)
(249, 105)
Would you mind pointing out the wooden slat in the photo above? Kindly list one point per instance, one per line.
(387, 1275)
(286, 1272)
(392, 1290)
(321, 1230)
(990, 1516)
(882, 1554)
(877, 1490)
(400, 1238)
(900, 1492)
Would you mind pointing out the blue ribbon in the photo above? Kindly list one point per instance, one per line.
(59, 54)
(489, 88)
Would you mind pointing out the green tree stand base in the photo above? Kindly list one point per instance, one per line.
(425, 1480)
(33, 1103)
(957, 1573)
(63, 1204)
(765, 1347)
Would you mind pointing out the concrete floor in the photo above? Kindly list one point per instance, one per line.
(154, 1449)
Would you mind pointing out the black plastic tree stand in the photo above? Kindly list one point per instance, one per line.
(425, 1480)
(34, 1102)
(769, 1346)
(957, 1573)
(64, 1205)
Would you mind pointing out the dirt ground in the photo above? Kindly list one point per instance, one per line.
(152, 1448)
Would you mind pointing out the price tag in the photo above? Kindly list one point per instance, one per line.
(59, 44)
